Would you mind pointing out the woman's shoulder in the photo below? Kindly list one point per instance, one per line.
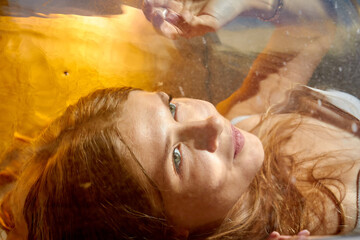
(310, 133)
(313, 136)
(338, 150)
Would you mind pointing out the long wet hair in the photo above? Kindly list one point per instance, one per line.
(290, 191)
(81, 181)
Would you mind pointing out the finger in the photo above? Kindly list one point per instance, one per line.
(147, 9)
(167, 23)
(158, 17)
(170, 31)
(174, 18)
(150, 7)
(189, 25)
(182, 27)
(273, 236)
(165, 28)
(184, 24)
(304, 233)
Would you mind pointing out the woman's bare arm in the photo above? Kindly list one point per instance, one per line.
(303, 34)
(290, 58)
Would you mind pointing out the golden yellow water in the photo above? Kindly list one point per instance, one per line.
(47, 63)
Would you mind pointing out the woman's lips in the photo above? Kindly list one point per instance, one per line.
(238, 140)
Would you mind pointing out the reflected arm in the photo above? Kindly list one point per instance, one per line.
(290, 58)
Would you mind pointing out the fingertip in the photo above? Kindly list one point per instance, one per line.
(304, 233)
(174, 18)
(169, 31)
(274, 235)
(157, 18)
(147, 10)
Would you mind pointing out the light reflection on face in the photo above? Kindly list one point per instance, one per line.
(187, 149)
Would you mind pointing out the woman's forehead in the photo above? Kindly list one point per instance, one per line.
(143, 126)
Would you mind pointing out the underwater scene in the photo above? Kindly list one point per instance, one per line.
(53, 52)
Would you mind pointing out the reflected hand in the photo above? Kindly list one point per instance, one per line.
(189, 18)
(303, 235)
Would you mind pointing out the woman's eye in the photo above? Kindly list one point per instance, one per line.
(177, 159)
(172, 109)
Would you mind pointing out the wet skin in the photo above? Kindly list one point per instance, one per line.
(187, 148)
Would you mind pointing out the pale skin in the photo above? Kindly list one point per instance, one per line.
(213, 129)
(306, 44)
(204, 140)
(208, 166)
(189, 18)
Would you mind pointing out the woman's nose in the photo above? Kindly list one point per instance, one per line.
(204, 133)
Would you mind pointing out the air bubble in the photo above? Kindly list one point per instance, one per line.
(182, 91)
(204, 40)
(319, 102)
(354, 127)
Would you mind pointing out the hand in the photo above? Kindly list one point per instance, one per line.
(303, 235)
(189, 18)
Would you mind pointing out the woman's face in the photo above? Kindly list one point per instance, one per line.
(199, 161)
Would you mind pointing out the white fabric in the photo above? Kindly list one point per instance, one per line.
(342, 100)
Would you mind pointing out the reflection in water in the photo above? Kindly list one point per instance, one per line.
(61, 57)
(48, 63)
(48, 60)
(340, 68)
